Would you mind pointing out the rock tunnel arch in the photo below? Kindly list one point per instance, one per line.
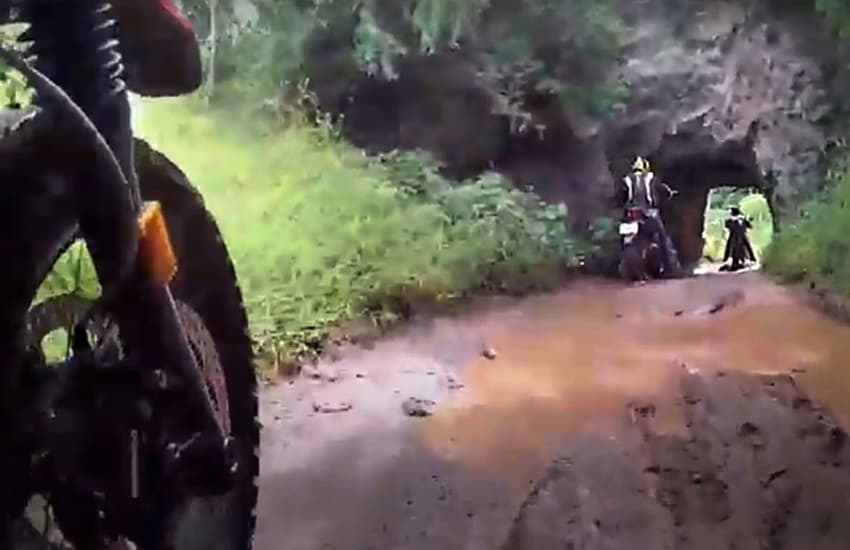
(693, 163)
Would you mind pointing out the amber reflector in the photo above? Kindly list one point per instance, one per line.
(155, 244)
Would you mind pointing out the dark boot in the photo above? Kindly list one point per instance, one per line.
(749, 250)
(656, 236)
(674, 267)
(669, 257)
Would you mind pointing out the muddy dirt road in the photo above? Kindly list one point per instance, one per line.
(694, 414)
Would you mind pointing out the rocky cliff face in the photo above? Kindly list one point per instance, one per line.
(740, 93)
(736, 94)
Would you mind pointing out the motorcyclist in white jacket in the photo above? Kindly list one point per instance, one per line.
(643, 189)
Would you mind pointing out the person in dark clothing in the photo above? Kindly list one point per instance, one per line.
(737, 224)
(642, 189)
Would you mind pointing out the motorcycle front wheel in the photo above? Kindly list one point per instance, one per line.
(36, 225)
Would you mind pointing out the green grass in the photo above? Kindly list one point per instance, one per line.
(815, 247)
(753, 205)
(321, 235)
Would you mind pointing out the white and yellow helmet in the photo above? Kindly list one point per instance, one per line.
(640, 165)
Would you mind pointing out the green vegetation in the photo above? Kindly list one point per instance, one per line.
(519, 47)
(816, 246)
(753, 205)
(322, 235)
(836, 12)
(73, 273)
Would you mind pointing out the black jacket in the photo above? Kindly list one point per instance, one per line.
(738, 225)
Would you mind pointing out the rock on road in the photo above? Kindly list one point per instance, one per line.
(702, 413)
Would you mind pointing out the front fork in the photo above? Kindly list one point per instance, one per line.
(108, 209)
(143, 306)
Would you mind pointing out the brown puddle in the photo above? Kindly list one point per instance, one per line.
(571, 362)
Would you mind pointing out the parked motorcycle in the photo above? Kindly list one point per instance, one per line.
(640, 251)
(146, 429)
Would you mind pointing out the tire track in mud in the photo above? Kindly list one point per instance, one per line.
(760, 466)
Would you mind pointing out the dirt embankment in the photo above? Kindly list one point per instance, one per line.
(696, 414)
(833, 303)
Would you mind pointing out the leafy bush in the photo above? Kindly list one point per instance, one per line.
(73, 273)
(816, 246)
(321, 234)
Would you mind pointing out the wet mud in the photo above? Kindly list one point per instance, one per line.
(701, 413)
(759, 466)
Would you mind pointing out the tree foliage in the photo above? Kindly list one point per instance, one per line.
(837, 12)
(519, 46)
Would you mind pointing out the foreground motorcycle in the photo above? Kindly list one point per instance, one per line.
(640, 252)
(146, 429)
